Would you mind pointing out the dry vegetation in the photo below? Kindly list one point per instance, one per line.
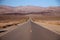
(11, 20)
(47, 20)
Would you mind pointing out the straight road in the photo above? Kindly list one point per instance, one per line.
(30, 31)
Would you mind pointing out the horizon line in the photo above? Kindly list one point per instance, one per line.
(31, 5)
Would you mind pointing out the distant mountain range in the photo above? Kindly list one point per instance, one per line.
(30, 10)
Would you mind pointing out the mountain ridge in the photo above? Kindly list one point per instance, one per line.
(31, 10)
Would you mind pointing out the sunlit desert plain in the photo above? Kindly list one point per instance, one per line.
(11, 20)
(47, 20)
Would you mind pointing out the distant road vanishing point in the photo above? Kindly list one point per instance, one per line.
(29, 31)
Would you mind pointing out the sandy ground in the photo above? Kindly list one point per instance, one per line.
(5, 24)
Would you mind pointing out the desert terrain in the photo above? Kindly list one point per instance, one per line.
(41, 23)
(12, 15)
(11, 20)
(47, 20)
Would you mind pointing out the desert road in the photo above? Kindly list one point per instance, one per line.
(29, 31)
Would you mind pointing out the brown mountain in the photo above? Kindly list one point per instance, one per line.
(6, 9)
(28, 9)
(50, 11)
(53, 11)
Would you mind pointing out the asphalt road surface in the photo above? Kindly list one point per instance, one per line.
(30, 31)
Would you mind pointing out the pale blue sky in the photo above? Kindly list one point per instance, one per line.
(43, 3)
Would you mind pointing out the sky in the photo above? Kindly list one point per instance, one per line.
(42, 3)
